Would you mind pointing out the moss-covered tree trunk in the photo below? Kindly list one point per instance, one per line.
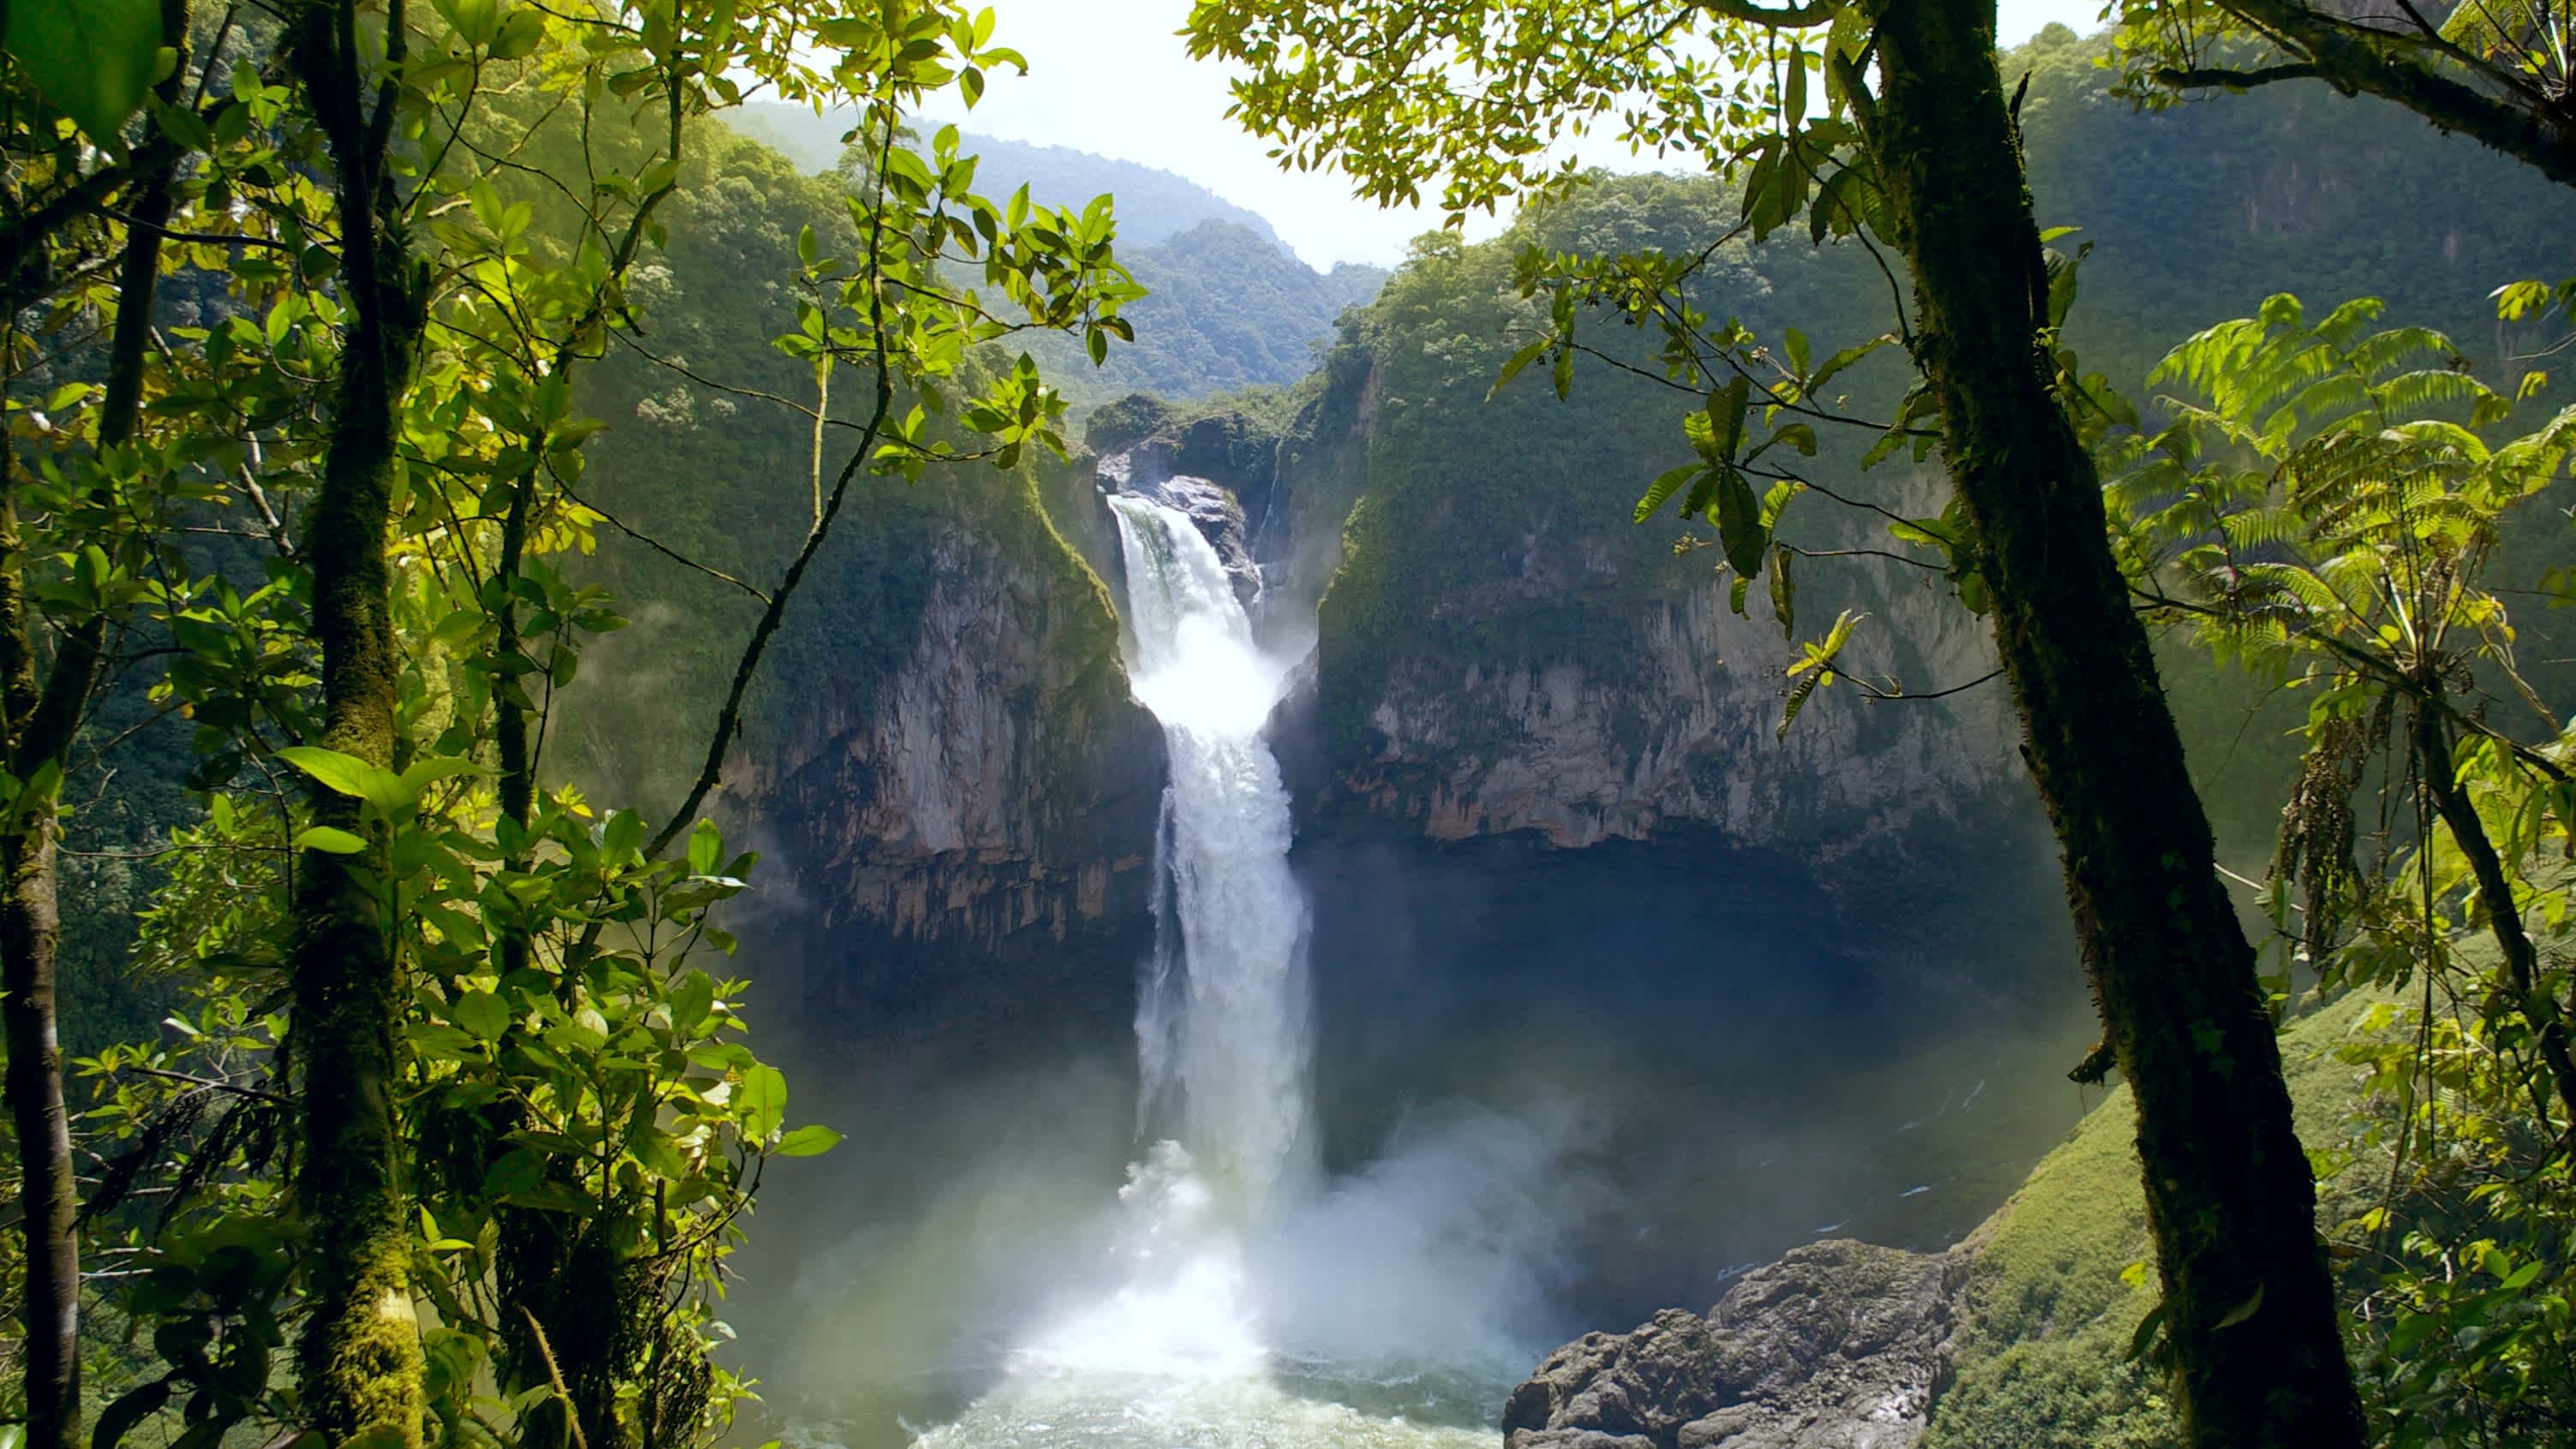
(2249, 1305)
(361, 1352)
(42, 721)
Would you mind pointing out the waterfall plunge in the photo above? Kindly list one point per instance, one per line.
(1243, 1301)
(1222, 1024)
(1222, 1020)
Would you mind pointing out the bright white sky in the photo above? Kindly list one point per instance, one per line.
(1111, 77)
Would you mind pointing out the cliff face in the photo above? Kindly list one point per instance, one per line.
(1669, 720)
(1564, 672)
(974, 788)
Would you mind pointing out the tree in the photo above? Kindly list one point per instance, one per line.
(514, 1092)
(43, 717)
(2327, 506)
(2497, 73)
(1924, 156)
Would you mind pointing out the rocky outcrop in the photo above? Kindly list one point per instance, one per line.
(1670, 716)
(1209, 506)
(980, 793)
(1839, 1345)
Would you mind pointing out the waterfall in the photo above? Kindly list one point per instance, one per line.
(1232, 1297)
(1222, 1020)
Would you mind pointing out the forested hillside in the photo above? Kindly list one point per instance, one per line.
(1229, 306)
(1154, 205)
(1502, 525)
(1302, 837)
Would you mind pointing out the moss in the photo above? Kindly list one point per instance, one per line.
(370, 1362)
(2044, 1364)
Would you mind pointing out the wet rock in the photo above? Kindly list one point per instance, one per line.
(1146, 470)
(1839, 1345)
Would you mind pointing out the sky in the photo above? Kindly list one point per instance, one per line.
(1111, 77)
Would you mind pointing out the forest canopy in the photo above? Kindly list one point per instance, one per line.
(374, 365)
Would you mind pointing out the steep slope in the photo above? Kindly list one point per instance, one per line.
(1225, 310)
(1153, 204)
(2018, 1336)
(940, 757)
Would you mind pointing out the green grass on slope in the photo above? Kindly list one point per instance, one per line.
(2044, 1365)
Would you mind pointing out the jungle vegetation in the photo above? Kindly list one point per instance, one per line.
(318, 313)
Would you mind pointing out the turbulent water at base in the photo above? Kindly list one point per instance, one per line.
(1243, 1303)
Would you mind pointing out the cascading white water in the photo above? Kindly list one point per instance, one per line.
(1222, 1020)
(1222, 1025)
(1238, 1288)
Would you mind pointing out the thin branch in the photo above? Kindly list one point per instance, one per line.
(213, 1084)
(658, 546)
(1875, 695)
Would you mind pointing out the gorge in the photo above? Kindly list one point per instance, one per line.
(1614, 998)
(1337, 1154)
(846, 855)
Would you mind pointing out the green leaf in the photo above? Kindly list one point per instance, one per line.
(424, 773)
(763, 1098)
(476, 21)
(330, 840)
(692, 997)
(2142, 1343)
(620, 834)
(1797, 701)
(482, 1013)
(2244, 1310)
(706, 848)
(130, 1409)
(1846, 358)
(521, 32)
(343, 773)
(1726, 418)
(1660, 491)
(807, 1142)
(1739, 523)
(93, 58)
(658, 1152)
(1784, 593)
(1512, 366)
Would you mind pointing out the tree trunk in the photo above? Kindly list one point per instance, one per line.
(2433, 759)
(361, 1354)
(2249, 1307)
(48, 1192)
(42, 725)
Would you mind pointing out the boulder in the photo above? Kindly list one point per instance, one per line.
(1211, 507)
(1839, 1345)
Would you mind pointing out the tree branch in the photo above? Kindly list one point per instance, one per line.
(2196, 78)
(2348, 59)
(1796, 17)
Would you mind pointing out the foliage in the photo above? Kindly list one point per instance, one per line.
(2057, 1281)
(2328, 506)
(570, 1094)
(2496, 73)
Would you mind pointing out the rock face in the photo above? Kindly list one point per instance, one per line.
(1839, 1345)
(1584, 746)
(1216, 470)
(987, 801)
(1575, 680)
